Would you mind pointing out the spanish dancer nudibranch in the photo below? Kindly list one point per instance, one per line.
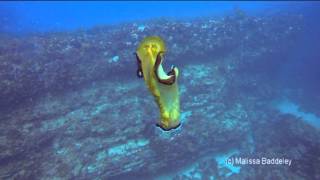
(163, 86)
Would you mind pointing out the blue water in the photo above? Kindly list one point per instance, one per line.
(24, 17)
(72, 106)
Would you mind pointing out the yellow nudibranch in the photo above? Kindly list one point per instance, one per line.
(163, 86)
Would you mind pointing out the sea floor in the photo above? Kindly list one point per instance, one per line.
(107, 130)
(71, 107)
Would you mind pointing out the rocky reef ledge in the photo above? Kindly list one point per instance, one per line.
(108, 129)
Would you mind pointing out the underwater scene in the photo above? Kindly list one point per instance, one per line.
(160, 90)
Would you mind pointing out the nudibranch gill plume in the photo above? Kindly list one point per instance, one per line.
(163, 86)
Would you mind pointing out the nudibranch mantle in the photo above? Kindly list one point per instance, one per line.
(163, 86)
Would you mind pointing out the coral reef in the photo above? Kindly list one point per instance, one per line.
(35, 64)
